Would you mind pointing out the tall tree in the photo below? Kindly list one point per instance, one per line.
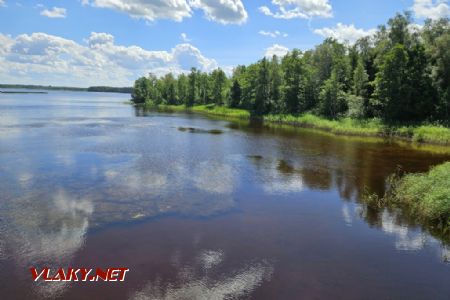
(276, 81)
(235, 94)
(391, 84)
(192, 87)
(140, 91)
(182, 89)
(293, 82)
(263, 87)
(332, 97)
(219, 84)
(360, 105)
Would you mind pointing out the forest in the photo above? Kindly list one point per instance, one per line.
(399, 75)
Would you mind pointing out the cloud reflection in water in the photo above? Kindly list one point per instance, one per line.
(195, 281)
(45, 234)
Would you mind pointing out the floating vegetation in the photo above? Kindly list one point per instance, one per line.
(199, 130)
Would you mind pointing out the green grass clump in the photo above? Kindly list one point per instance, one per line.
(210, 109)
(344, 126)
(427, 195)
(221, 111)
(432, 134)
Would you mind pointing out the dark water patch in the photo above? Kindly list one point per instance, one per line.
(199, 130)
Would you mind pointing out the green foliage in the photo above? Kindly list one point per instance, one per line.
(344, 126)
(391, 83)
(219, 86)
(399, 75)
(293, 86)
(235, 94)
(332, 98)
(262, 88)
(140, 90)
(275, 102)
(427, 195)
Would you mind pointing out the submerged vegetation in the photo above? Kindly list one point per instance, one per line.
(393, 83)
(425, 195)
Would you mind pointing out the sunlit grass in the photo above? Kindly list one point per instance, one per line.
(345, 126)
(373, 127)
(221, 111)
(431, 134)
(426, 194)
(209, 109)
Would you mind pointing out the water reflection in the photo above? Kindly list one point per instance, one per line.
(45, 233)
(405, 239)
(407, 236)
(214, 177)
(199, 281)
(67, 169)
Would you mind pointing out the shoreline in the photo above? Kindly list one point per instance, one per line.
(409, 192)
(346, 127)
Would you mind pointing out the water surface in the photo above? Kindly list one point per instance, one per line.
(202, 208)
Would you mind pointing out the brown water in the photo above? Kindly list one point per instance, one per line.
(200, 208)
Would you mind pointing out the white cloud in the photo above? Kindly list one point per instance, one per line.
(305, 9)
(5, 44)
(344, 33)
(150, 10)
(433, 9)
(277, 50)
(41, 58)
(223, 11)
(415, 28)
(55, 12)
(184, 37)
(273, 34)
(2, 3)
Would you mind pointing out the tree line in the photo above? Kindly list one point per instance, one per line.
(401, 74)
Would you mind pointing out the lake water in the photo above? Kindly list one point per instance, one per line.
(199, 208)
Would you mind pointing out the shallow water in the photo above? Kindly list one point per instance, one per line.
(201, 208)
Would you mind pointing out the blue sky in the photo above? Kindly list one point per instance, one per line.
(111, 42)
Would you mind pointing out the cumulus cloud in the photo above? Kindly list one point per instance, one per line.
(415, 28)
(277, 50)
(42, 58)
(433, 9)
(223, 11)
(55, 12)
(273, 34)
(344, 33)
(150, 10)
(304, 9)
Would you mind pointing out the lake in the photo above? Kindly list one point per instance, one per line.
(200, 208)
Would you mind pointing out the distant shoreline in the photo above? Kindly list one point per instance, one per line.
(105, 89)
(20, 92)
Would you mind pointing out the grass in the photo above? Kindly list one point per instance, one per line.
(374, 127)
(209, 109)
(426, 195)
(345, 126)
(221, 111)
(425, 134)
